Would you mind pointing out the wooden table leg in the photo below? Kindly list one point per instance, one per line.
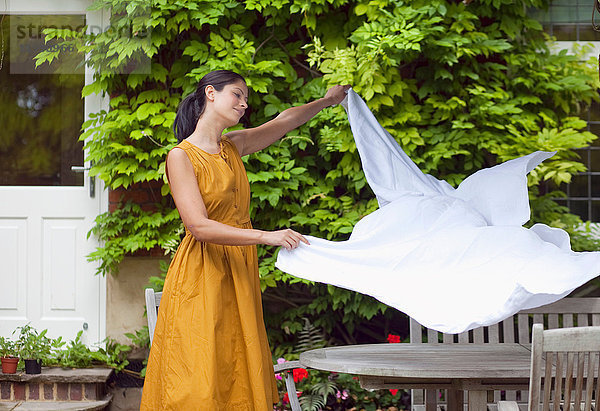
(455, 400)
(477, 400)
(431, 400)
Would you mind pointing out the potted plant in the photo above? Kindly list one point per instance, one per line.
(7, 356)
(33, 348)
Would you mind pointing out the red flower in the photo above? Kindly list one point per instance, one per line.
(299, 374)
(394, 391)
(393, 338)
(286, 399)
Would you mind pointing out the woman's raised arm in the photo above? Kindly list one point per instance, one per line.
(251, 140)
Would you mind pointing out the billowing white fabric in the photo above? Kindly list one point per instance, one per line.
(453, 259)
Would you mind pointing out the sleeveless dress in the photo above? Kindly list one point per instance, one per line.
(210, 348)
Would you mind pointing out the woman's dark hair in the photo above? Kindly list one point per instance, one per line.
(192, 107)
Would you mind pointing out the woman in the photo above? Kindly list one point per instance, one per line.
(210, 349)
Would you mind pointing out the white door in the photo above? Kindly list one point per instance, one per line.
(46, 209)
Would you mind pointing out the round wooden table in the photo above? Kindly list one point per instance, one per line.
(475, 368)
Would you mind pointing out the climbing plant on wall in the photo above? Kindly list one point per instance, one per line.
(459, 86)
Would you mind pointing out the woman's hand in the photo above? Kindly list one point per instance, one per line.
(289, 239)
(336, 94)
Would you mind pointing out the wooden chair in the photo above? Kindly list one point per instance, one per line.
(565, 363)
(286, 368)
(567, 312)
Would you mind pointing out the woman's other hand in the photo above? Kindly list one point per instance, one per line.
(289, 239)
(336, 94)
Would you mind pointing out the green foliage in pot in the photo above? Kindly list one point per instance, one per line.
(7, 348)
(33, 345)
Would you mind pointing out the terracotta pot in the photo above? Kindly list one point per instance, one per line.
(9, 364)
(33, 366)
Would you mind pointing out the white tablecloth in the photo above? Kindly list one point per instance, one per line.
(453, 259)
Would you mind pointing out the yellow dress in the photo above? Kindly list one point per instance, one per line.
(210, 349)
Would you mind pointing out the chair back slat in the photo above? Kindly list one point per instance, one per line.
(508, 327)
(547, 387)
(416, 333)
(568, 378)
(523, 328)
(581, 361)
(538, 318)
(589, 385)
(558, 381)
(432, 336)
(569, 320)
(478, 335)
(554, 321)
(494, 334)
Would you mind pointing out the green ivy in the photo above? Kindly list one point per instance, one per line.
(461, 87)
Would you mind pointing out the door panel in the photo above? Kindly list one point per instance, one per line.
(60, 246)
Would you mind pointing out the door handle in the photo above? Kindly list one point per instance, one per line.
(82, 169)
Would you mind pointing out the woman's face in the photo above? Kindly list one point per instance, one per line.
(232, 101)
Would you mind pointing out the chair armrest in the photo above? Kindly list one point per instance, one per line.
(288, 365)
(507, 406)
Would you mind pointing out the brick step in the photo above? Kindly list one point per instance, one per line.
(81, 388)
